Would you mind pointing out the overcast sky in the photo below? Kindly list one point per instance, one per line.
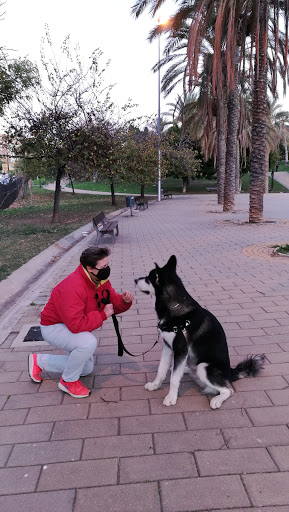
(104, 24)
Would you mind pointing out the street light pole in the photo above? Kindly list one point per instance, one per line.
(159, 122)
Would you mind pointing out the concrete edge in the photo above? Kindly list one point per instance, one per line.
(12, 288)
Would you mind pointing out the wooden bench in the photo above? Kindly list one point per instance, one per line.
(104, 226)
(141, 203)
(211, 189)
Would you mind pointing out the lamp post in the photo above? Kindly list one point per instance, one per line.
(159, 113)
(159, 119)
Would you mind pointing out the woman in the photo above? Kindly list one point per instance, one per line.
(77, 306)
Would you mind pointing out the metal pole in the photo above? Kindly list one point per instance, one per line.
(159, 123)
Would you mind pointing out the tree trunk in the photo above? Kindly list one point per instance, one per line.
(185, 184)
(266, 179)
(71, 183)
(237, 171)
(286, 151)
(55, 215)
(231, 144)
(142, 189)
(113, 199)
(24, 187)
(259, 124)
(221, 149)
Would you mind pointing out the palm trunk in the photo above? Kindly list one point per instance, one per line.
(266, 179)
(237, 173)
(259, 110)
(55, 215)
(221, 149)
(113, 199)
(232, 128)
(286, 151)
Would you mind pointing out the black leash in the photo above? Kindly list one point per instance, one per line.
(121, 347)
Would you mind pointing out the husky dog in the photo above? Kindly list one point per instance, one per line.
(191, 336)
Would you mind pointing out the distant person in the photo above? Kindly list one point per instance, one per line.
(75, 308)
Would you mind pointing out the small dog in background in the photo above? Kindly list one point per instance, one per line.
(191, 336)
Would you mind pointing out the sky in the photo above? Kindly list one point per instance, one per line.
(104, 24)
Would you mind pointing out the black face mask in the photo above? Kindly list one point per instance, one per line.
(103, 273)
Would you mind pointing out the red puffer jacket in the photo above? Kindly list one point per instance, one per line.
(73, 303)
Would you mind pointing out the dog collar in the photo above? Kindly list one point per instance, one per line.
(175, 328)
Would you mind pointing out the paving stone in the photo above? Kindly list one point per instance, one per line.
(16, 480)
(260, 383)
(25, 433)
(121, 498)
(254, 509)
(33, 400)
(9, 376)
(119, 380)
(59, 501)
(118, 446)
(228, 462)
(246, 437)
(122, 408)
(45, 453)
(268, 489)
(185, 403)
(13, 417)
(58, 412)
(278, 415)
(201, 494)
(104, 395)
(79, 429)
(71, 475)
(242, 400)
(155, 423)
(4, 454)
(16, 388)
(280, 455)
(188, 441)
(216, 419)
(157, 467)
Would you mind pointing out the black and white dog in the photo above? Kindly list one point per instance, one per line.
(192, 336)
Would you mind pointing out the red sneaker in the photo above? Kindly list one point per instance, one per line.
(33, 369)
(75, 389)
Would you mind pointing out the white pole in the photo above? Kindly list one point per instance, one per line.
(159, 123)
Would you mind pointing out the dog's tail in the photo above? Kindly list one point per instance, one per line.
(250, 367)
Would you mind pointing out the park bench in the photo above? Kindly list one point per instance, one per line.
(104, 226)
(211, 189)
(141, 203)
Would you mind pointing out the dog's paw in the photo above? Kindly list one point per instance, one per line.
(216, 402)
(170, 400)
(151, 386)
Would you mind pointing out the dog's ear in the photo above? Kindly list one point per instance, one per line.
(172, 263)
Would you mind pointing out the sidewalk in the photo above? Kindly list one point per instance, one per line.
(121, 450)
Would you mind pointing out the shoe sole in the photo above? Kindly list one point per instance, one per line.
(30, 369)
(71, 394)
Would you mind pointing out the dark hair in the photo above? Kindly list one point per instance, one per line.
(92, 255)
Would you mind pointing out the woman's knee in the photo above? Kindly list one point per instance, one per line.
(89, 342)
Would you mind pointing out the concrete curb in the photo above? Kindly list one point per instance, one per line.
(12, 288)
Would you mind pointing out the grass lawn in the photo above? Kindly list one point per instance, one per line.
(26, 230)
(277, 186)
(169, 184)
(282, 167)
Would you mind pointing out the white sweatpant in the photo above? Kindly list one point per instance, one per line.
(79, 347)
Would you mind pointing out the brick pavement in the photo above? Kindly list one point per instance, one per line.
(120, 450)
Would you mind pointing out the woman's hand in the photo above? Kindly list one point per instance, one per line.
(127, 297)
(108, 309)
